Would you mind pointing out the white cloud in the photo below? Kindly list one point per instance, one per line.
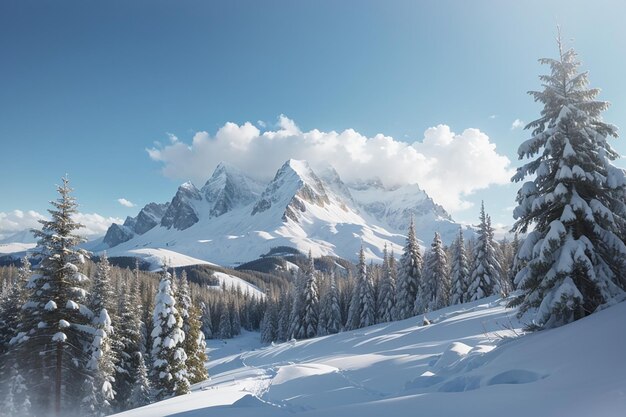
(448, 166)
(517, 124)
(95, 224)
(17, 220)
(125, 202)
(493, 116)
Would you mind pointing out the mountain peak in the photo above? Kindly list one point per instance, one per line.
(181, 212)
(229, 188)
(294, 183)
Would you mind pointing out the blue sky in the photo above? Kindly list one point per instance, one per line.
(87, 87)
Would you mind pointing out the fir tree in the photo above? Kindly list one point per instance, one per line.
(387, 294)
(434, 293)
(575, 255)
(194, 344)
(57, 325)
(168, 367)
(485, 277)
(330, 316)
(141, 392)
(235, 318)
(99, 383)
(225, 328)
(282, 327)
(16, 401)
(195, 347)
(11, 318)
(460, 271)
(296, 317)
(311, 300)
(362, 307)
(268, 324)
(129, 333)
(409, 277)
(207, 327)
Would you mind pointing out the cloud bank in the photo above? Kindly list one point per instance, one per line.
(16, 221)
(448, 166)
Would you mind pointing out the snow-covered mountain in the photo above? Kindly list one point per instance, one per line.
(234, 218)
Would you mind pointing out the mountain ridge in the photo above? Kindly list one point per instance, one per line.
(234, 218)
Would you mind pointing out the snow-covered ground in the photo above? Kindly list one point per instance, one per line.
(16, 248)
(471, 361)
(232, 282)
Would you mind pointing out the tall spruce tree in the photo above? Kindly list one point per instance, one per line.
(485, 277)
(141, 392)
(168, 367)
(311, 300)
(387, 293)
(296, 317)
(129, 334)
(194, 344)
(225, 327)
(409, 276)
(434, 293)
(57, 325)
(575, 255)
(11, 317)
(330, 315)
(362, 306)
(460, 271)
(99, 392)
(269, 323)
(282, 327)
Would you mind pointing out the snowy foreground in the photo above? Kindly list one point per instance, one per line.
(465, 363)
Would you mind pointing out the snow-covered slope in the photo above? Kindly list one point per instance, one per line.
(232, 282)
(233, 219)
(469, 362)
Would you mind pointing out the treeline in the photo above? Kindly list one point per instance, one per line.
(319, 303)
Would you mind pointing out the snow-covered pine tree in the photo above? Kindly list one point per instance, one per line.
(362, 309)
(194, 344)
(225, 328)
(330, 316)
(505, 257)
(434, 293)
(311, 300)
(168, 368)
(282, 327)
(57, 326)
(268, 323)
(235, 317)
(195, 347)
(296, 317)
(517, 263)
(98, 386)
(141, 393)
(11, 320)
(16, 398)
(129, 335)
(575, 255)
(409, 276)
(485, 278)
(387, 293)
(102, 358)
(207, 326)
(460, 271)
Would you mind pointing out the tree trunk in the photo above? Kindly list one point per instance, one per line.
(57, 384)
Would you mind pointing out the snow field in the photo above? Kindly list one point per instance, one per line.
(473, 359)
